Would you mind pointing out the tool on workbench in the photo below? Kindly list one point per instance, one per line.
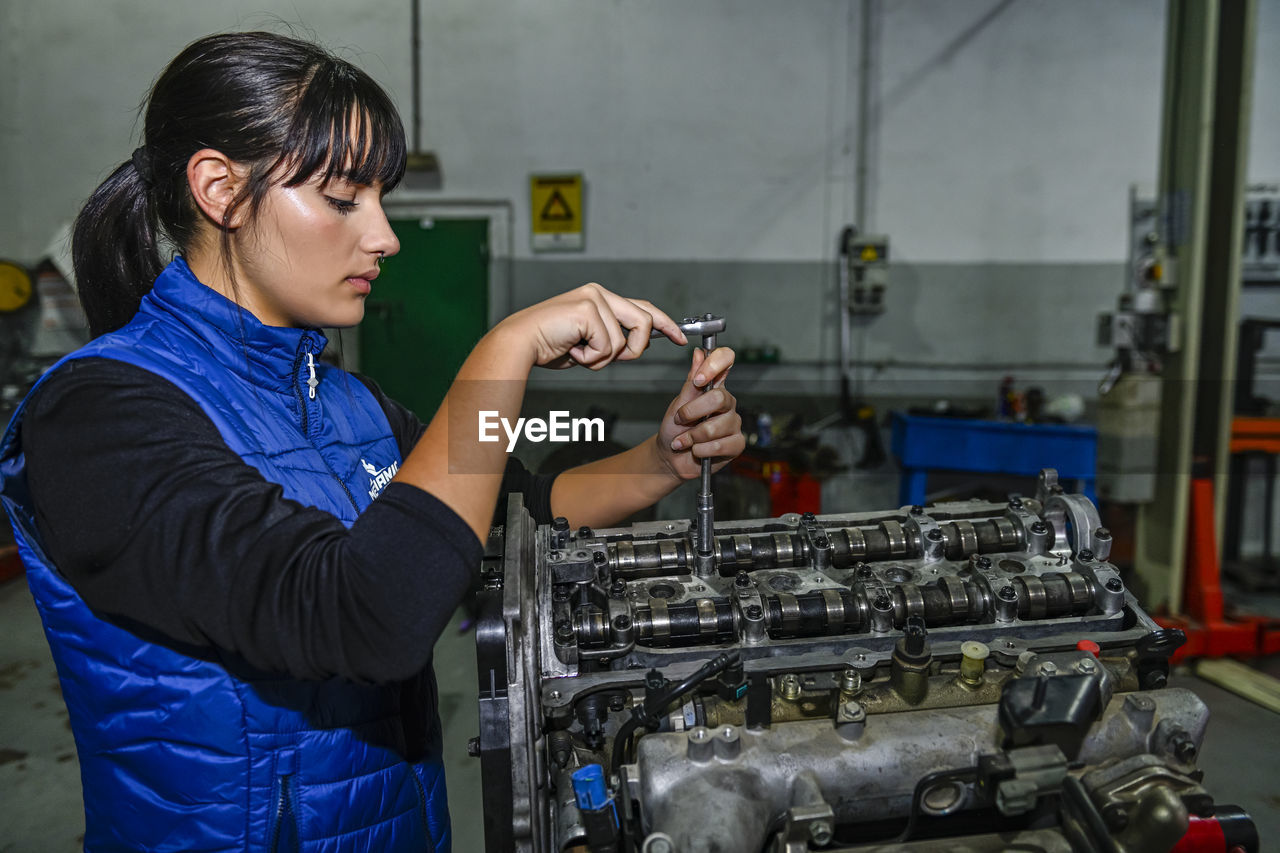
(708, 326)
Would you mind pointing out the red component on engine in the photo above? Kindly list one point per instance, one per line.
(1204, 835)
(1089, 646)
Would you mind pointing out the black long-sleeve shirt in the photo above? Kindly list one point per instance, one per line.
(156, 522)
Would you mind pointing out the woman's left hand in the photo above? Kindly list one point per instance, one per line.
(702, 421)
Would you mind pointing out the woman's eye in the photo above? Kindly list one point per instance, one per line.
(341, 205)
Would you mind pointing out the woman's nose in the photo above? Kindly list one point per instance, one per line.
(383, 240)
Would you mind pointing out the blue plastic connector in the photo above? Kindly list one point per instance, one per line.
(589, 788)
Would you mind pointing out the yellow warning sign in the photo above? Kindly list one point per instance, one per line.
(555, 212)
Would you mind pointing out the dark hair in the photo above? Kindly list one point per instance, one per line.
(286, 108)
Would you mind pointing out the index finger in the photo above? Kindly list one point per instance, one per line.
(641, 318)
(662, 324)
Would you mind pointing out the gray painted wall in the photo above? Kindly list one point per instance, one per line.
(718, 143)
(949, 328)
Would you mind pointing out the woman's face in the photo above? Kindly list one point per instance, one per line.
(311, 255)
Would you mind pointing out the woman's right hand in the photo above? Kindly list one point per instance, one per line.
(590, 326)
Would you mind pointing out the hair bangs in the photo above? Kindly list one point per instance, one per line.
(345, 127)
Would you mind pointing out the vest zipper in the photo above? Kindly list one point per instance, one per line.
(284, 810)
(312, 383)
(422, 808)
(297, 389)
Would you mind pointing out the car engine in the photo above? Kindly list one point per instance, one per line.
(969, 676)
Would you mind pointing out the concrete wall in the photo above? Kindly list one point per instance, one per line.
(718, 143)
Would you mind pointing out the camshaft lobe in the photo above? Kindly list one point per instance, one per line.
(871, 607)
(886, 540)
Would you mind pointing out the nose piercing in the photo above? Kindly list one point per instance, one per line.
(382, 256)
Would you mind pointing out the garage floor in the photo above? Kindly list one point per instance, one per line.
(40, 805)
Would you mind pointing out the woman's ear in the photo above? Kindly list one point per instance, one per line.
(215, 181)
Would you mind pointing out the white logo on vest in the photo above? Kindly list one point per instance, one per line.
(380, 477)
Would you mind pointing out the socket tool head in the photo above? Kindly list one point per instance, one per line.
(707, 324)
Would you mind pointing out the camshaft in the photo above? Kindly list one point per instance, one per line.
(870, 607)
(847, 546)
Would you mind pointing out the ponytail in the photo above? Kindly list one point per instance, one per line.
(114, 249)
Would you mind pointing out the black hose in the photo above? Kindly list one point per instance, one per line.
(712, 667)
(647, 712)
(1095, 826)
(620, 743)
(968, 774)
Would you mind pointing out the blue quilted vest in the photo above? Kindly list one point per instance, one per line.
(176, 752)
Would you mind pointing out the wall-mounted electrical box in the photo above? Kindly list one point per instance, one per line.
(866, 258)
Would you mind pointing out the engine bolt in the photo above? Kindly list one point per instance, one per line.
(820, 832)
(560, 523)
(564, 632)
(617, 703)
(1184, 749)
(1038, 528)
(1087, 666)
(1048, 667)
(584, 532)
(935, 535)
(790, 687)
(1141, 704)
(1102, 533)
(821, 542)
(621, 622)
(882, 602)
(864, 571)
(754, 612)
(598, 558)
(917, 510)
(1114, 585)
(618, 588)
(850, 682)
(1015, 503)
(983, 562)
(1085, 555)
(1008, 593)
(1116, 817)
(808, 518)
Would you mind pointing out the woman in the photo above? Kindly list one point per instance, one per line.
(240, 606)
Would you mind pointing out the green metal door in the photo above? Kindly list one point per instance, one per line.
(427, 309)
